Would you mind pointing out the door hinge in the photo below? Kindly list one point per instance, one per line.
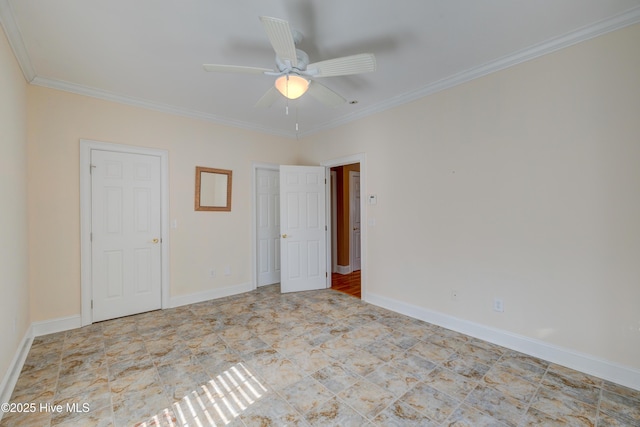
(326, 274)
(92, 304)
(91, 237)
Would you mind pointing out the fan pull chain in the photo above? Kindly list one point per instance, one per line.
(287, 96)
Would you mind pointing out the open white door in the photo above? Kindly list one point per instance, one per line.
(303, 228)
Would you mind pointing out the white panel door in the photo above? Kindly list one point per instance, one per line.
(354, 209)
(125, 226)
(268, 226)
(303, 228)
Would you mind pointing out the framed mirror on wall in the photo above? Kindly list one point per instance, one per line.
(213, 189)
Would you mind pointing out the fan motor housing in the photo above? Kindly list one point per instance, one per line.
(285, 66)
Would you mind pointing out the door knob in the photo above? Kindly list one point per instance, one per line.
(156, 240)
(284, 236)
(355, 229)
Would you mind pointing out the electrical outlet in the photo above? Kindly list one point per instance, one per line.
(498, 305)
(212, 273)
(454, 295)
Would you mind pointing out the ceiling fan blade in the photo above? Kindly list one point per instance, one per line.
(354, 64)
(281, 38)
(234, 69)
(268, 98)
(325, 95)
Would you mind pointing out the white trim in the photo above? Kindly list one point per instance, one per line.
(254, 218)
(343, 269)
(607, 370)
(85, 217)
(8, 22)
(352, 199)
(334, 222)
(360, 158)
(13, 372)
(195, 298)
(630, 17)
(60, 324)
(150, 105)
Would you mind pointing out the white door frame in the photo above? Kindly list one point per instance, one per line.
(334, 222)
(352, 197)
(341, 161)
(85, 218)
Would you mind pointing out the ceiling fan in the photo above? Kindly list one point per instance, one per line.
(295, 75)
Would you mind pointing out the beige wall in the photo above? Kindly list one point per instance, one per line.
(14, 290)
(523, 185)
(58, 120)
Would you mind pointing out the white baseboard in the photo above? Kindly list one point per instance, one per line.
(586, 363)
(343, 269)
(181, 300)
(11, 377)
(56, 325)
(35, 330)
(73, 322)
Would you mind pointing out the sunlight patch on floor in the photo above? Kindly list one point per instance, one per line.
(216, 403)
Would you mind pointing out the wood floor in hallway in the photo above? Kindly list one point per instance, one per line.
(347, 283)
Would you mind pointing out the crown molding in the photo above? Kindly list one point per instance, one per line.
(16, 42)
(630, 17)
(164, 108)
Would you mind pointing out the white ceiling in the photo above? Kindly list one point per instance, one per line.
(150, 52)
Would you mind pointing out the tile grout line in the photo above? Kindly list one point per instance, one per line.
(599, 403)
(112, 411)
(539, 386)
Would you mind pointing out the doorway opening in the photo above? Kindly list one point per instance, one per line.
(355, 272)
(346, 248)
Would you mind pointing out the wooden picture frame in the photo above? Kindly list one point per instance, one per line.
(213, 189)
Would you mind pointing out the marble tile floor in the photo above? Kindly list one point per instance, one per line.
(319, 358)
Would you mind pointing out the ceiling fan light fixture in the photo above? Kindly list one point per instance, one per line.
(292, 86)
